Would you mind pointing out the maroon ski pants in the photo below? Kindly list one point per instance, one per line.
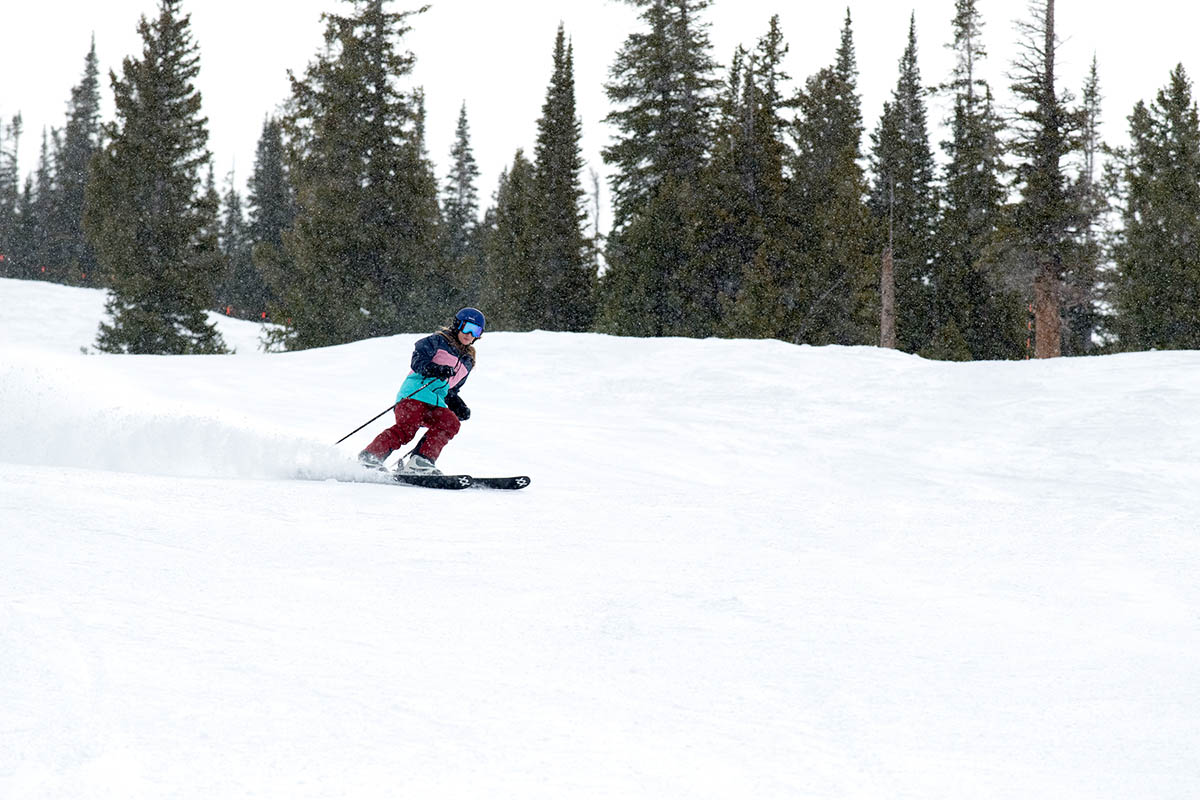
(411, 415)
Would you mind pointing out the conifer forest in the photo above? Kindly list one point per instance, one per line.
(745, 202)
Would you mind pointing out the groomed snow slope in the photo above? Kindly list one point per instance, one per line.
(743, 569)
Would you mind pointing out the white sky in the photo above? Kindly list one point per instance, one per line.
(497, 57)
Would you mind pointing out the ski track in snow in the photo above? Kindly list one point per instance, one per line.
(743, 568)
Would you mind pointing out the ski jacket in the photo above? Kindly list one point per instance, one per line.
(438, 348)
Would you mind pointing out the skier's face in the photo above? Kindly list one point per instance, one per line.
(466, 338)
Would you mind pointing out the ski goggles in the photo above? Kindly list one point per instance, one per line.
(473, 329)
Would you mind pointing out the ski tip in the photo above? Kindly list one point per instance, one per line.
(514, 482)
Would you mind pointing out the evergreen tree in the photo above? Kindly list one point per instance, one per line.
(153, 231)
(37, 213)
(272, 208)
(566, 271)
(644, 291)
(948, 344)
(511, 291)
(437, 290)
(80, 142)
(1157, 293)
(846, 311)
(10, 197)
(27, 239)
(744, 229)
(213, 231)
(988, 315)
(363, 244)
(828, 292)
(242, 292)
(904, 203)
(1046, 218)
(271, 201)
(460, 218)
(1081, 279)
(662, 82)
(730, 219)
(460, 198)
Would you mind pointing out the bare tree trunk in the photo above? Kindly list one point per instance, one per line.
(887, 293)
(1047, 316)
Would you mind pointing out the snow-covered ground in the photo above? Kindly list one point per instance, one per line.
(743, 569)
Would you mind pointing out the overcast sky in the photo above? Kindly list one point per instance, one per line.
(497, 58)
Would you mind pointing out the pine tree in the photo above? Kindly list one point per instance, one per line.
(37, 216)
(436, 292)
(243, 293)
(271, 200)
(1045, 218)
(1081, 279)
(744, 228)
(662, 83)
(461, 234)
(10, 196)
(948, 344)
(460, 197)
(829, 292)
(363, 243)
(80, 142)
(28, 240)
(1157, 293)
(663, 86)
(511, 291)
(271, 206)
(730, 219)
(904, 203)
(566, 271)
(153, 231)
(213, 232)
(970, 295)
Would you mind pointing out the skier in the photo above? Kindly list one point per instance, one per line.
(429, 396)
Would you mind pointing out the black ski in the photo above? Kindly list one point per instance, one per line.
(462, 481)
(515, 482)
(434, 481)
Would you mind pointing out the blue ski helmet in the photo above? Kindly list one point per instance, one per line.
(471, 320)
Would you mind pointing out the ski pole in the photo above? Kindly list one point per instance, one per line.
(381, 413)
(365, 424)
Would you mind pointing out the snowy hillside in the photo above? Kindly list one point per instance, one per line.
(743, 569)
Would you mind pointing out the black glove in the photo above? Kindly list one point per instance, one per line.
(455, 404)
(444, 371)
